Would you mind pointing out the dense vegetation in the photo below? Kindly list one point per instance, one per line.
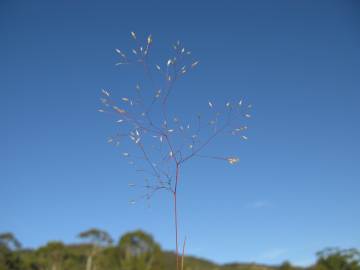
(136, 251)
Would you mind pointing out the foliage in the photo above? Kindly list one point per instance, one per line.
(138, 251)
(286, 266)
(52, 255)
(9, 240)
(336, 259)
(96, 237)
(9, 260)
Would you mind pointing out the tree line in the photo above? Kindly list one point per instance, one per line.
(136, 250)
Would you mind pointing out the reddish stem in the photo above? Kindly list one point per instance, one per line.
(175, 216)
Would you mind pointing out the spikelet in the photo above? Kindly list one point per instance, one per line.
(105, 92)
(119, 110)
(194, 64)
(121, 53)
(158, 92)
(232, 160)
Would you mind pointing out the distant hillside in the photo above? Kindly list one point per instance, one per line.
(191, 262)
(195, 263)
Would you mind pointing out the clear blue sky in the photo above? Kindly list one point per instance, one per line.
(296, 188)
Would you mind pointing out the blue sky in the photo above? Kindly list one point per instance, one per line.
(295, 190)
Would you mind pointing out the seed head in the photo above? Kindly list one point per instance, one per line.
(149, 39)
(233, 160)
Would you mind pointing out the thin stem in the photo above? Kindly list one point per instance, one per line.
(176, 216)
(148, 160)
(204, 144)
(183, 254)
